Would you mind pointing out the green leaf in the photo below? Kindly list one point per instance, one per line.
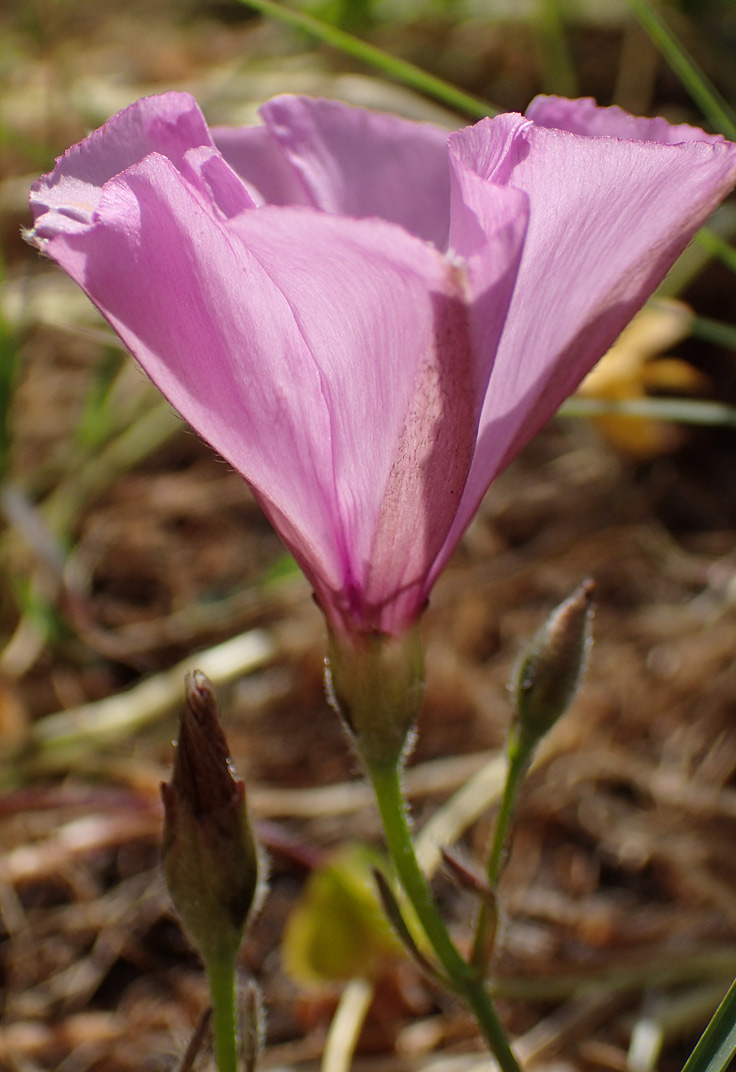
(717, 1044)
(283, 569)
(393, 913)
(336, 931)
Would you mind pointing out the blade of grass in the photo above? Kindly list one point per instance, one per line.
(402, 71)
(717, 1045)
(8, 371)
(558, 68)
(681, 410)
(147, 433)
(701, 89)
(715, 331)
(96, 419)
(695, 258)
(718, 246)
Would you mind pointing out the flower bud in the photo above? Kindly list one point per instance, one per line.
(376, 684)
(210, 858)
(553, 666)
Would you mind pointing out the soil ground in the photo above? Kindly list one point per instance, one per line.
(130, 552)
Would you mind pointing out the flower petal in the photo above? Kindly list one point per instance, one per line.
(487, 231)
(255, 155)
(294, 342)
(604, 228)
(436, 447)
(583, 116)
(169, 124)
(354, 162)
(218, 184)
(285, 296)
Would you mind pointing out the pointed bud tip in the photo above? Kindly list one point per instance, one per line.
(203, 773)
(199, 695)
(554, 664)
(210, 857)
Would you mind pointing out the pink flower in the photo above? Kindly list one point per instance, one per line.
(364, 316)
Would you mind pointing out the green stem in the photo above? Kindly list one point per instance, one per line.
(221, 978)
(465, 979)
(519, 755)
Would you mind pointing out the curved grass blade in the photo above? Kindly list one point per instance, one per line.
(718, 247)
(402, 71)
(560, 76)
(715, 331)
(717, 1045)
(701, 89)
(8, 374)
(680, 410)
(393, 914)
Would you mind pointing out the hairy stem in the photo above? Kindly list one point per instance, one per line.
(221, 977)
(519, 757)
(465, 979)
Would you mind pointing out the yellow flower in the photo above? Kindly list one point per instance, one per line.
(633, 369)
